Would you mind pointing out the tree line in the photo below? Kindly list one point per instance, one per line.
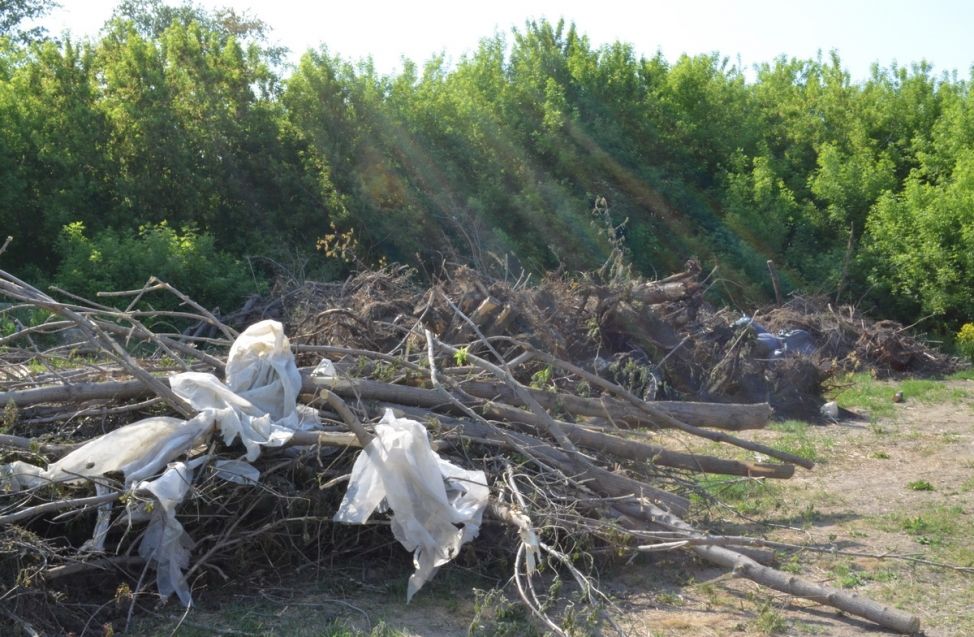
(178, 143)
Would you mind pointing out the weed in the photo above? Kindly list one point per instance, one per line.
(920, 485)
(797, 438)
(915, 525)
(496, 616)
(748, 496)
(936, 526)
(9, 419)
(541, 379)
(769, 620)
(793, 565)
(667, 598)
(847, 575)
(851, 575)
(880, 455)
(710, 592)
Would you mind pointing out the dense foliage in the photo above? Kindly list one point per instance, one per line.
(188, 119)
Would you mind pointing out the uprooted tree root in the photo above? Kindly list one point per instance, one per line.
(536, 385)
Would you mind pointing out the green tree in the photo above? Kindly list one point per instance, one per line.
(920, 245)
(14, 12)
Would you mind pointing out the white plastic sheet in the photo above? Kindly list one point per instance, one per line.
(165, 541)
(137, 450)
(258, 403)
(428, 496)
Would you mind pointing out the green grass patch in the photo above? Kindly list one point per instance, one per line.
(932, 391)
(944, 528)
(497, 616)
(769, 620)
(920, 485)
(803, 440)
(748, 496)
(848, 574)
(862, 391)
(964, 374)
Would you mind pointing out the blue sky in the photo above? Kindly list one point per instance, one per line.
(748, 31)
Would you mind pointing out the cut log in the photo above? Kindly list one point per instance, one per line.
(743, 566)
(640, 451)
(76, 393)
(728, 416)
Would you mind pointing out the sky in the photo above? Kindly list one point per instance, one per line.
(748, 32)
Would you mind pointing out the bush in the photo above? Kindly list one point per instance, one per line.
(965, 341)
(186, 259)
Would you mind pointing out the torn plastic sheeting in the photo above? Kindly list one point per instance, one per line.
(261, 369)
(258, 403)
(137, 450)
(428, 496)
(165, 541)
(236, 471)
(236, 416)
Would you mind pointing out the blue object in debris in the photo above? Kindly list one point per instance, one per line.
(778, 345)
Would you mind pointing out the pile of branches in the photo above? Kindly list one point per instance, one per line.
(503, 378)
(658, 339)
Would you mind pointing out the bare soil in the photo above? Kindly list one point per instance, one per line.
(859, 499)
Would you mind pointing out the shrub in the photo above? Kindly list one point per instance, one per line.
(187, 259)
(965, 341)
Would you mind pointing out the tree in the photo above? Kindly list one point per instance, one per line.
(15, 12)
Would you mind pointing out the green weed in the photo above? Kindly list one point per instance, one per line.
(800, 439)
(497, 616)
(769, 620)
(748, 496)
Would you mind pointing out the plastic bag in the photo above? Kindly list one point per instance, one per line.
(428, 496)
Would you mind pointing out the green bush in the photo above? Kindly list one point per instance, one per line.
(965, 341)
(186, 259)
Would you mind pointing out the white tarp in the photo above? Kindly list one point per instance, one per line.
(428, 496)
(137, 450)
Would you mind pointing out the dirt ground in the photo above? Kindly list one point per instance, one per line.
(874, 486)
(901, 484)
